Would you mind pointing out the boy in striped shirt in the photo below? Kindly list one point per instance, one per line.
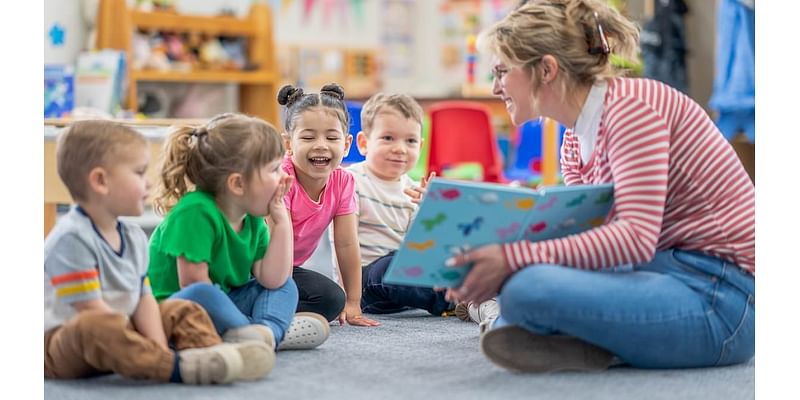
(100, 314)
(390, 139)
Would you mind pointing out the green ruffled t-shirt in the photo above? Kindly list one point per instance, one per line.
(197, 230)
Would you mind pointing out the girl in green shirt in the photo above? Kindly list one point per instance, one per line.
(218, 183)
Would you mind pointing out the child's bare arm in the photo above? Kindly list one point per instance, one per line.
(348, 254)
(147, 320)
(189, 272)
(275, 267)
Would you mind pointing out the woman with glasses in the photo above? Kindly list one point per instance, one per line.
(668, 280)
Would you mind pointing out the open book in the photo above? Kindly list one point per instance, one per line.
(457, 216)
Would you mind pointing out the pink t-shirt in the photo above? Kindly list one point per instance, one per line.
(310, 218)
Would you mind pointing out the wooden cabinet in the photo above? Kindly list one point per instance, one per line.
(257, 88)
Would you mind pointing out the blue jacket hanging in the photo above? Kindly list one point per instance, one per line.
(664, 44)
(734, 95)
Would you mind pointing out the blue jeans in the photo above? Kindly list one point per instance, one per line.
(683, 309)
(381, 298)
(248, 304)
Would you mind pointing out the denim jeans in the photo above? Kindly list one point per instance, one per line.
(381, 298)
(683, 309)
(248, 304)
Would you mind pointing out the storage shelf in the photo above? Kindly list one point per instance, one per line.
(166, 21)
(254, 77)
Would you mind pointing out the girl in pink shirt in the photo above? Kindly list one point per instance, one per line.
(316, 138)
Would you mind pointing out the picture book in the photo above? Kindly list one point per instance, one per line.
(456, 216)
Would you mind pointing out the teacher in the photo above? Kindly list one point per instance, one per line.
(668, 281)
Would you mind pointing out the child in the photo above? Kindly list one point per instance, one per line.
(317, 140)
(213, 246)
(391, 141)
(100, 314)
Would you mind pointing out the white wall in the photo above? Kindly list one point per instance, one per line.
(67, 14)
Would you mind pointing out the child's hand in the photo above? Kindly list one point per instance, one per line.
(277, 208)
(352, 314)
(417, 193)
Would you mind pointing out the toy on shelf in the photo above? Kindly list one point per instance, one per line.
(179, 46)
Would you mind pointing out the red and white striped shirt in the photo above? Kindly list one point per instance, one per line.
(677, 184)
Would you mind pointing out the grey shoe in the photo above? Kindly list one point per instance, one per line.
(250, 332)
(307, 331)
(258, 358)
(210, 365)
(518, 349)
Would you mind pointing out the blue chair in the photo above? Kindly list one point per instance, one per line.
(354, 109)
(528, 151)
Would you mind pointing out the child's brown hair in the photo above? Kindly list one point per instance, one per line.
(204, 156)
(85, 145)
(402, 103)
(330, 97)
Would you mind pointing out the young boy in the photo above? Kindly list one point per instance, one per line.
(390, 139)
(100, 315)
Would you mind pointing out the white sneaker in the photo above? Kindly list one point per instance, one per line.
(307, 331)
(220, 363)
(258, 358)
(489, 310)
(250, 332)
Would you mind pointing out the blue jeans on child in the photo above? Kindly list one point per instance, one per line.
(248, 304)
(381, 298)
(683, 309)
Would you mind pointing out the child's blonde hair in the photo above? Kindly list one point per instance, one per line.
(330, 97)
(205, 156)
(85, 145)
(570, 31)
(402, 103)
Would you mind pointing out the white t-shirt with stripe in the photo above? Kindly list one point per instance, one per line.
(384, 212)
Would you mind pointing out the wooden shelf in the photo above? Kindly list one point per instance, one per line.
(257, 89)
(252, 77)
(165, 21)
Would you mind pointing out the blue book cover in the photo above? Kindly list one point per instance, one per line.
(456, 216)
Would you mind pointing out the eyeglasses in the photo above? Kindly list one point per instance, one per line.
(602, 47)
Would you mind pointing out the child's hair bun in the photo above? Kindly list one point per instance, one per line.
(333, 89)
(288, 95)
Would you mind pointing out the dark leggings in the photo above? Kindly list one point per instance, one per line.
(318, 293)
(383, 298)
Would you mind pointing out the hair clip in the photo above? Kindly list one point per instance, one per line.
(603, 47)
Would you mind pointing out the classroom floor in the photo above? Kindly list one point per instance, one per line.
(415, 355)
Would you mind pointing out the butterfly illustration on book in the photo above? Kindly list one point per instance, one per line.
(457, 250)
(467, 228)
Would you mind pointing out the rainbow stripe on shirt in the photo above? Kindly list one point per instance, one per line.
(77, 286)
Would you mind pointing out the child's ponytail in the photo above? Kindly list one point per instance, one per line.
(173, 184)
(203, 157)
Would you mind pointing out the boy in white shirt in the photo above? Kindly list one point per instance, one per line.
(390, 139)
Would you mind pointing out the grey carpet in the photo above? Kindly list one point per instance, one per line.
(414, 355)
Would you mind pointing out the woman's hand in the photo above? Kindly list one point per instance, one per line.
(418, 192)
(277, 207)
(486, 277)
(352, 314)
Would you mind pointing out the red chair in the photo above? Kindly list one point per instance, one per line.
(461, 131)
